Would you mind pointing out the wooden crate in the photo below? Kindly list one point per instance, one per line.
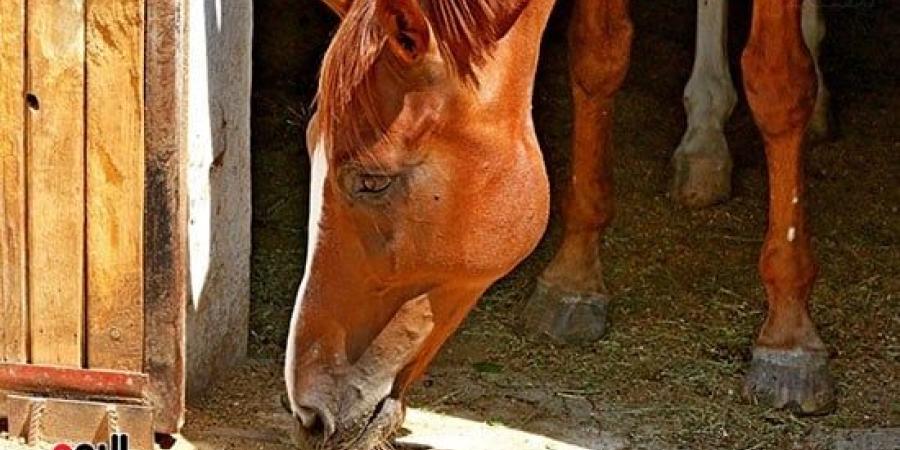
(95, 288)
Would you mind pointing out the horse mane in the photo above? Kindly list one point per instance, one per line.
(466, 32)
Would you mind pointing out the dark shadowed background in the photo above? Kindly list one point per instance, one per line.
(686, 291)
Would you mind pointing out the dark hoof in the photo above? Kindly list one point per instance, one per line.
(566, 317)
(796, 380)
(702, 169)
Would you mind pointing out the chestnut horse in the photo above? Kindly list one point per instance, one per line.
(428, 184)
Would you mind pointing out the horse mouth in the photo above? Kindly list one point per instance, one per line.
(382, 424)
(377, 413)
(373, 432)
(358, 396)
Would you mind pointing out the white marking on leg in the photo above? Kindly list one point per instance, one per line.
(702, 161)
(791, 234)
(795, 200)
(709, 96)
(813, 34)
(318, 174)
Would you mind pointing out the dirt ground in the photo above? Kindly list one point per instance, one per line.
(687, 297)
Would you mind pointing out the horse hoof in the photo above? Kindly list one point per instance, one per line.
(702, 169)
(796, 380)
(565, 317)
(819, 129)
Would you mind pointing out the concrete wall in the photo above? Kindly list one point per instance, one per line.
(218, 178)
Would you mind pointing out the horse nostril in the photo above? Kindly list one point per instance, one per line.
(316, 421)
(285, 402)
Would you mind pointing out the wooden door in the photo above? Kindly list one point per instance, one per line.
(72, 190)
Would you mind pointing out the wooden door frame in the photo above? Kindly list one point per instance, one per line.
(165, 211)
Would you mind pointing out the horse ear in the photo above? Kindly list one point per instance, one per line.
(406, 27)
(340, 7)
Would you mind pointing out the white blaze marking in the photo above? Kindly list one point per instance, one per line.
(791, 234)
(318, 173)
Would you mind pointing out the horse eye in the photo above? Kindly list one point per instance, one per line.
(373, 184)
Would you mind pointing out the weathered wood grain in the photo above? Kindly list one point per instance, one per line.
(12, 182)
(165, 222)
(55, 145)
(115, 183)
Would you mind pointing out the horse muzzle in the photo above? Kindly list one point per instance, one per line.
(350, 406)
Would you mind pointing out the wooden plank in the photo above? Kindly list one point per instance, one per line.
(12, 182)
(55, 145)
(165, 222)
(77, 421)
(93, 383)
(115, 183)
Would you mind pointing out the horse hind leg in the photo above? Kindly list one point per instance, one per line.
(821, 123)
(702, 163)
(790, 361)
(570, 301)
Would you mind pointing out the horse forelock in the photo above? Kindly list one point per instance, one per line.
(345, 80)
(466, 32)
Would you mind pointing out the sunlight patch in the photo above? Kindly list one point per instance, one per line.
(442, 432)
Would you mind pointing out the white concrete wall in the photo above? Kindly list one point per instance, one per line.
(218, 176)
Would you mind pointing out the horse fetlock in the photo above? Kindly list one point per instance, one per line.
(702, 168)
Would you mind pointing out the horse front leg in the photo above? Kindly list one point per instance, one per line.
(570, 301)
(790, 361)
(702, 163)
